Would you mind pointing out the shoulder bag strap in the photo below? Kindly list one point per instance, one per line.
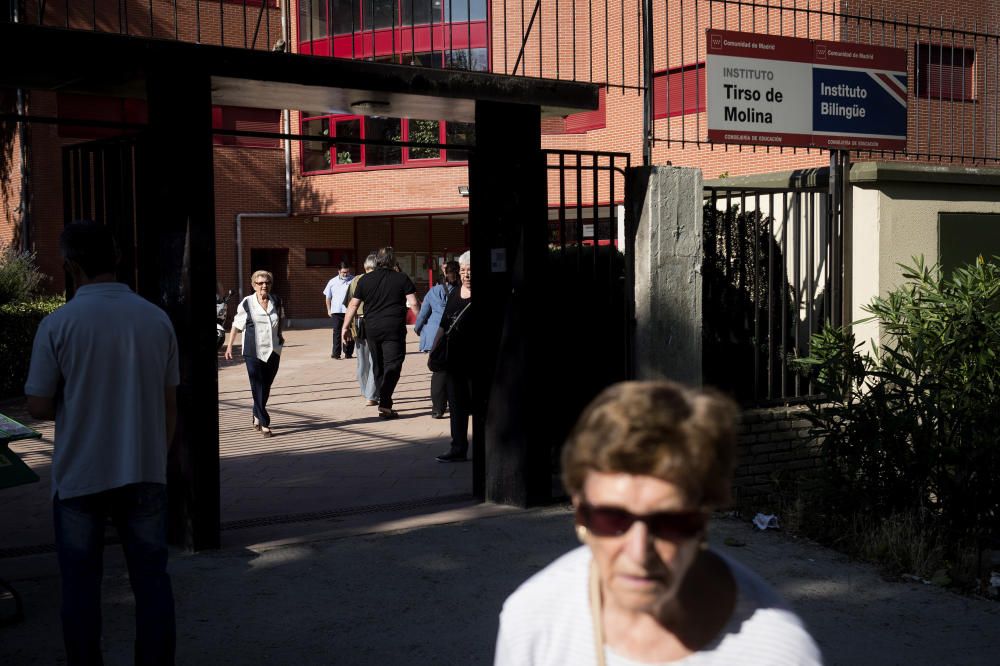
(595, 612)
(455, 320)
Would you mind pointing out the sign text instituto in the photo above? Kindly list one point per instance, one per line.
(785, 91)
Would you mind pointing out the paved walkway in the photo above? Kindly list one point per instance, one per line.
(393, 569)
(330, 454)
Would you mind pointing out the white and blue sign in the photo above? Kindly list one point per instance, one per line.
(773, 90)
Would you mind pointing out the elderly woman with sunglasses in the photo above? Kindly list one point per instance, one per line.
(258, 317)
(645, 464)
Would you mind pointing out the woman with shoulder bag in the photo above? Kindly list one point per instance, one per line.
(427, 325)
(453, 338)
(258, 317)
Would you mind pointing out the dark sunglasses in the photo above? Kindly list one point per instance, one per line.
(606, 521)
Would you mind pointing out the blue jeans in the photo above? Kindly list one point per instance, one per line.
(366, 372)
(139, 513)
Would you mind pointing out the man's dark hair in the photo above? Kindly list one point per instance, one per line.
(385, 257)
(91, 246)
(344, 265)
(451, 267)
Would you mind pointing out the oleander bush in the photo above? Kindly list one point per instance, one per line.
(20, 279)
(912, 428)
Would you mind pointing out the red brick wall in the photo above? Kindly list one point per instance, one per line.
(10, 186)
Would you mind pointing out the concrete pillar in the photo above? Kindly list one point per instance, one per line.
(667, 272)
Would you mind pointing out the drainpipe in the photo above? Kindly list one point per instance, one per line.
(287, 121)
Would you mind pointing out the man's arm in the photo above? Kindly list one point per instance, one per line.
(411, 302)
(41, 408)
(352, 309)
(329, 313)
(170, 409)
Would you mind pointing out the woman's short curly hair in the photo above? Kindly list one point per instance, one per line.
(659, 429)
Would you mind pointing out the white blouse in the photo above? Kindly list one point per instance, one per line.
(265, 326)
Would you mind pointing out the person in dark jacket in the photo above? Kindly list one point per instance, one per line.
(386, 295)
(426, 326)
(457, 325)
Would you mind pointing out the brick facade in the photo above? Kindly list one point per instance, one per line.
(774, 449)
(351, 208)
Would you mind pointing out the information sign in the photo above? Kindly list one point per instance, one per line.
(787, 91)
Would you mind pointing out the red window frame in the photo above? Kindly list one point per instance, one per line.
(406, 161)
(946, 72)
(686, 87)
(372, 43)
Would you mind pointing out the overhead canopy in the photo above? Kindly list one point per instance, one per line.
(107, 63)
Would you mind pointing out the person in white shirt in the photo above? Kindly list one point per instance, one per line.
(105, 367)
(334, 292)
(645, 465)
(258, 317)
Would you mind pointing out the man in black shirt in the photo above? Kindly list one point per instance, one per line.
(386, 295)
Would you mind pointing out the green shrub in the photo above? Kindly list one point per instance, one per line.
(20, 278)
(913, 428)
(19, 321)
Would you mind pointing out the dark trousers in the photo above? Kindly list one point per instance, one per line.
(139, 513)
(261, 377)
(338, 324)
(439, 392)
(388, 348)
(460, 401)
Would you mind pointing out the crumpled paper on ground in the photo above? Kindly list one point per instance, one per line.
(764, 521)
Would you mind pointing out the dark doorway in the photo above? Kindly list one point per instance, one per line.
(275, 262)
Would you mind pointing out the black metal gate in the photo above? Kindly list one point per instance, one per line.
(773, 276)
(100, 183)
(586, 296)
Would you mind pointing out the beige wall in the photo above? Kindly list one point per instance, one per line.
(895, 217)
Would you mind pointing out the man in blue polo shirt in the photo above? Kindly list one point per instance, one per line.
(335, 291)
(105, 367)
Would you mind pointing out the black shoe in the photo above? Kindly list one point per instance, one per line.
(347, 357)
(451, 456)
(388, 413)
(437, 415)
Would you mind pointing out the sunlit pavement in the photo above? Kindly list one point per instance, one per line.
(330, 455)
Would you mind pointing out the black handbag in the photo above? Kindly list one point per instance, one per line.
(359, 325)
(437, 360)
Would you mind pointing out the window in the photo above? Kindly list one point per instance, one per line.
(316, 154)
(312, 19)
(331, 155)
(385, 129)
(461, 133)
(679, 91)
(424, 131)
(245, 119)
(329, 257)
(945, 72)
(578, 123)
(349, 16)
(347, 153)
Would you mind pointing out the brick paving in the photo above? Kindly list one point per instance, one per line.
(329, 452)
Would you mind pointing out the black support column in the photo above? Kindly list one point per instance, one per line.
(507, 183)
(176, 242)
